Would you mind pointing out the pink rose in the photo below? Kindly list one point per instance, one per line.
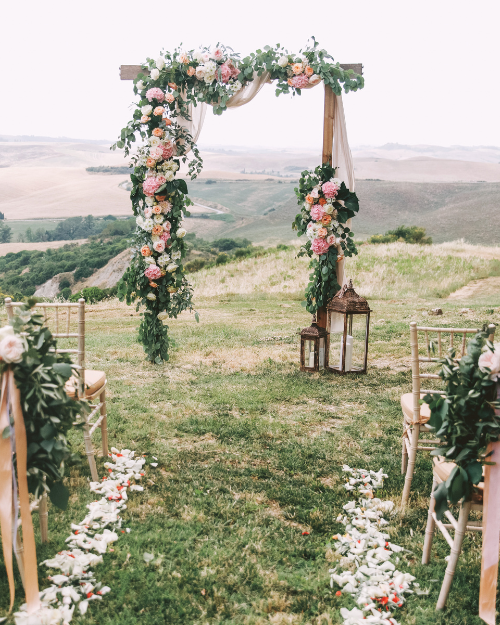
(148, 211)
(330, 189)
(218, 54)
(300, 81)
(234, 72)
(491, 360)
(155, 94)
(319, 246)
(167, 226)
(161, 180)
(317, 212)
(156, 153)
(153, 272)
(165, 236)
(225, 72)
(159, 246)
(167, 149)
(330, 239)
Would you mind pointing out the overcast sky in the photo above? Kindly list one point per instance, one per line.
(431, 67)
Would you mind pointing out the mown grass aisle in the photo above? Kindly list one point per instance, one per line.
(250, 454)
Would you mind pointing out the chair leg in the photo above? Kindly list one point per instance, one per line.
(20, 555)
(43, 515)
(404, 452)
(454, 555)
(104, 424)
(89, 451)
(412, 456)
(429, 530)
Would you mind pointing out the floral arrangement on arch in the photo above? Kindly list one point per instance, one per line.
(169, 84)
(327, 204)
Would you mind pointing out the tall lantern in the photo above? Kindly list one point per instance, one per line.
(348, 326)
(313, 348)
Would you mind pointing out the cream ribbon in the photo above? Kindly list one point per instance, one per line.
(11, 400)
(491, 534)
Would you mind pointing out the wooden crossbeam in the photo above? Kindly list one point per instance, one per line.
(130, 72)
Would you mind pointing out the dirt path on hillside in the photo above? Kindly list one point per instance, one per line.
(477, 288)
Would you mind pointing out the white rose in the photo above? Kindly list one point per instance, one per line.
(200, 72)
(162, 316)
(198, 56)
(150, 201)
(11, 349)
(314, 79)
(181, 233)
(169, 175)
(6, 331)
(155, 74)
(158, 219)
(147, 110)
(205, 57)
(172, 267)
(149, 260)
(160, 63)
(155, 238)
(154, 142)
(174, 167)
(151, 296)
(209, 78)
(283, 61)
(328, 208)
(140, 85)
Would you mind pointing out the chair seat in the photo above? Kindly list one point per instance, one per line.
(407, 407)
(443, 469)
(94, 380)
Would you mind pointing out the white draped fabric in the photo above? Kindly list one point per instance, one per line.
(342, 158)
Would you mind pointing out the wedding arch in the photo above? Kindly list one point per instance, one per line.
(174, 92)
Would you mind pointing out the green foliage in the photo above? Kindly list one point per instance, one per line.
(226, 245)
(406, 234)
(93, 294)
(109, 169)
(222, 259)
(64, 284)
(464, 420)
(65, 293)
(81, 228)
(43, 266)
(195, 265)
(323, 279)
(5, 232)
(48, 412)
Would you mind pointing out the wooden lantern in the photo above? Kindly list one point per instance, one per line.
(313, 348)
(348, 327)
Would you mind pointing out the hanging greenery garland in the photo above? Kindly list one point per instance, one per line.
(155, 279)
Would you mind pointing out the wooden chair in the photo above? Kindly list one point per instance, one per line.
(441, 472)
(87, 384)
(415, 414)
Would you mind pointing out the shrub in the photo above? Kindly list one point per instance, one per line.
(404, 234)
(91, 295)
(64, 284)
(222, 259)
(65, 293)
(83, 272)
(194, 265)
(243, 252)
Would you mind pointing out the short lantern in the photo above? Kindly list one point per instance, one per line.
(348, 326)
(313, 348)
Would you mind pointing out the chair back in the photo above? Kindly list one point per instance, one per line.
(444, 340)
(65, 321)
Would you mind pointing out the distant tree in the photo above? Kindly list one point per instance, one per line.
(110, 218)
(29, 235)
(2, 216)
(5, 233)
(20, 237)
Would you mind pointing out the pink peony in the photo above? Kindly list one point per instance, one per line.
(165, 236)
(167, 149)
(167, 226)
(159, 246)
(218, 54)
(151, 185)
(155, 94)
(234, 72)
(317, 212)
(330, 239)
(300, 81)
(226, 73)
(330, 189)
(319, 246)
(161, 180)
(491, 360)
(156, 153)
(153, 272)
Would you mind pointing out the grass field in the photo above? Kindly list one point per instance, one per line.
(250, 450)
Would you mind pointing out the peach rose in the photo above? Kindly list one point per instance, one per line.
(160, 198)
(322, 201)
(167, 121)
(150, 162)
(297, 68)
(157, 210)
(322, 232)
(309, 199)
(183, 57)
(157, 231)
(191, 71)
(169, 98)
(145, 251)
(172, 85)
(326, 219)
(158, 132)
(309, 71)
(145, 119)
(153, 284)
(290, 83)
(158, 110)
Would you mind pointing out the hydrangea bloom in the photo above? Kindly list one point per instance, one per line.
(330, 189)
(153, 272)
(317, 212)
(155, 94)
(300, 81)
(319, 246)
(151, 185)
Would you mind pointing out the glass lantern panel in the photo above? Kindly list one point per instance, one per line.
(355, 345)
(322, 353)
(309, 354)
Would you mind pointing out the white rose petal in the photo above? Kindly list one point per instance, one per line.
(283, 61)
(160, 63)
(172, 267)
(181, 233)
(11, 349)
(151, 296)
(155, 74)
(147, 110)
(140, 85)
